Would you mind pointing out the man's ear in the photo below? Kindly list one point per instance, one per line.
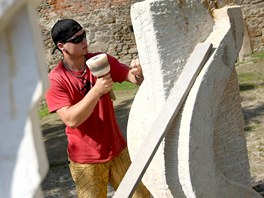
(61, 46)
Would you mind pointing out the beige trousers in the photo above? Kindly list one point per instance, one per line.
(91, 180)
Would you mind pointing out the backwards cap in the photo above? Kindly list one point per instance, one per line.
(63, 30)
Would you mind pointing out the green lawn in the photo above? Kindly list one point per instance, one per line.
(250, 79)
(124, 86)
(43, 110)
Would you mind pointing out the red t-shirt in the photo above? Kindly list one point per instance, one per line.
(99, 138)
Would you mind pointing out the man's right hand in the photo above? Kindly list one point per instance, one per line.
(103, 84)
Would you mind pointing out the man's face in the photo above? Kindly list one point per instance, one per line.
(77, 44)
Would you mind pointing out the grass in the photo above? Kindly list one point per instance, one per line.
(124, 86)
(254, 57)
(258, 55)
(250, 79)
(43, 110)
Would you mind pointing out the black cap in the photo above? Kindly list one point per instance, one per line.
(63, 30)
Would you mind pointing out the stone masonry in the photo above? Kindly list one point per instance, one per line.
(107, 23)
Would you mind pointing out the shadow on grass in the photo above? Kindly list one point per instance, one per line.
(246, 87)
(249, 115)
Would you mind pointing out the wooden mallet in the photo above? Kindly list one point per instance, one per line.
(99, 66)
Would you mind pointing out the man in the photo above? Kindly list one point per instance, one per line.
(97, 150)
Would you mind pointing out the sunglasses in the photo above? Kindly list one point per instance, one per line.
(77, 39)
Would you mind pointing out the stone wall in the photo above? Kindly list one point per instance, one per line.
(109, 27)
(107, 23)
(253, 11)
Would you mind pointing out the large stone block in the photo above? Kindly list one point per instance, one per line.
(166, 33)
(204, 152)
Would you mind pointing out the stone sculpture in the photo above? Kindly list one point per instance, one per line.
(204, 152)
(23, 161)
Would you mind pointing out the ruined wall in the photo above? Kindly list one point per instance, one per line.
(109, 27)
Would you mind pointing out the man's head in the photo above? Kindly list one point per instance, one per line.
(63, 30)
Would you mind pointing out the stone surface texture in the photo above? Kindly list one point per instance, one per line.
(166, 34)
(23, 162)
(204, 153)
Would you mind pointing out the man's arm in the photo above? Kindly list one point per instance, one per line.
(73, 116)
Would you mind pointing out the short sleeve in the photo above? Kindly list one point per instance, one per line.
(119, 71)
(56, 95)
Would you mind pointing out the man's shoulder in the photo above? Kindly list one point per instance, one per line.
(56, 71)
